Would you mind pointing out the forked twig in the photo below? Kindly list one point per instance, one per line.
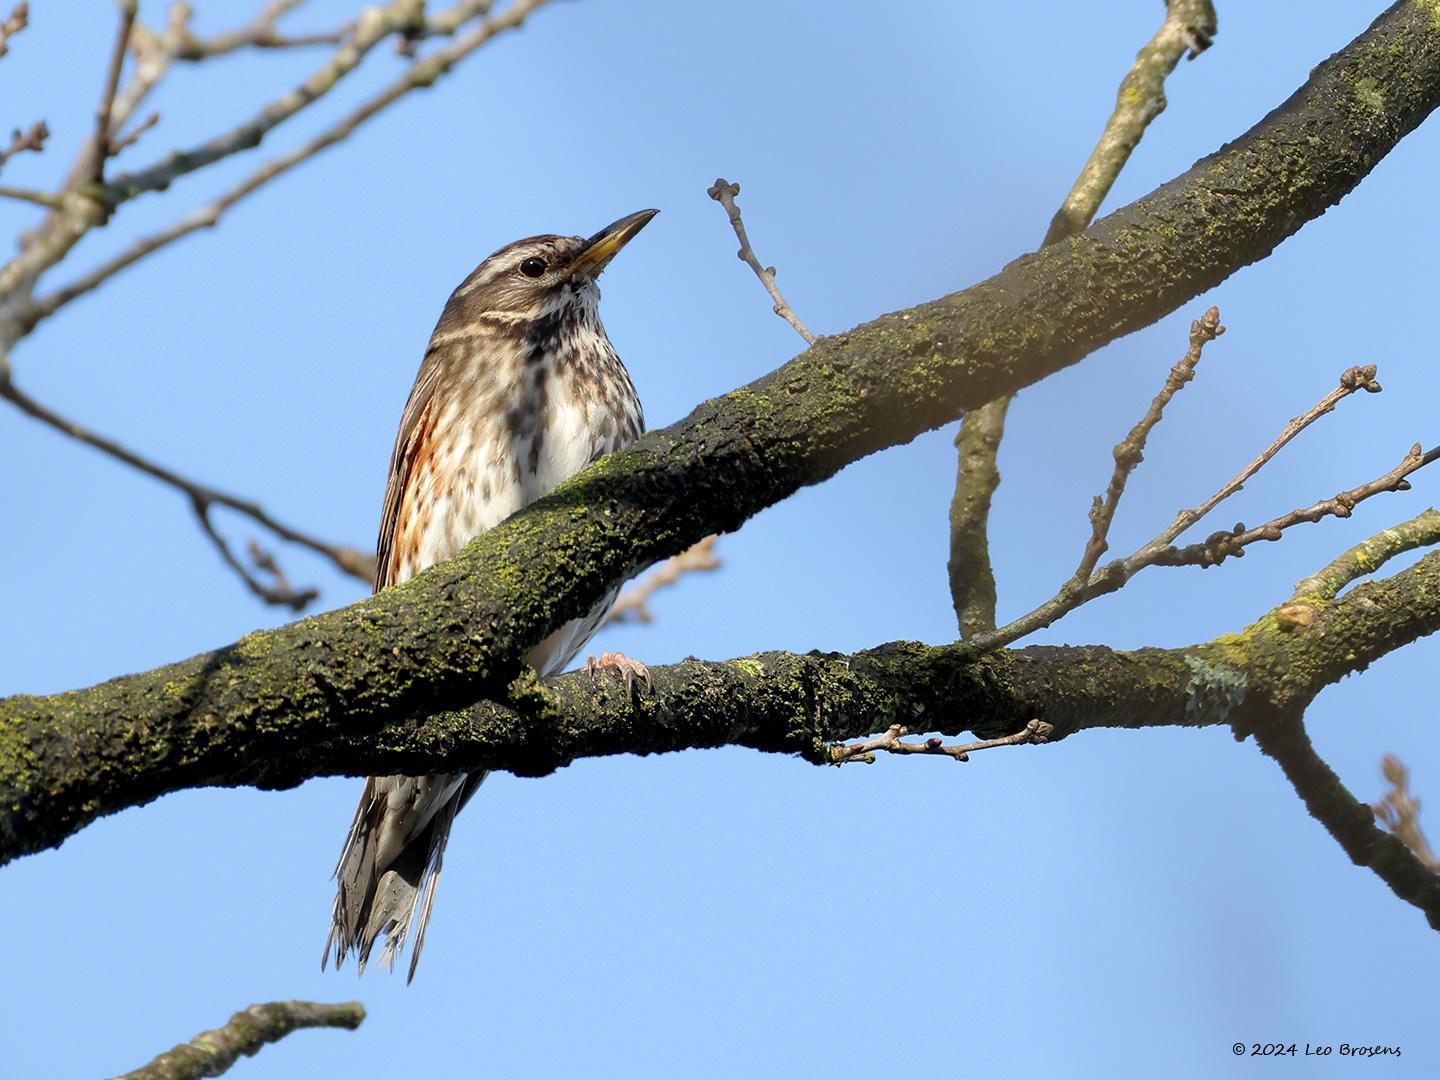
(1351, 380)
(1188, 29)
(103, 149)
(1088, 583)
(1222, 545)
(202, 498)
(1130, 452)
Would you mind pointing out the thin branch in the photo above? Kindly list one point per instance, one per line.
(92, 203)
(211, 1053)
(1366, 557)
(1351, 380)
(724, 192)
(17, 20)
(1400, 812)
(201, 496)
(1349, 820)
(131, 138)
(1223, 544)
(972, 577)
(31, 139)
(102, 151)
(891, 741)
(281, 594)
(311, 699)
(1189, 28)
(39, 198)
(421, 74)
(1129, 453)
(260, 33)
(633, 604)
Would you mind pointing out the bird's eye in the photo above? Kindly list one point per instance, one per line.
(533, 266)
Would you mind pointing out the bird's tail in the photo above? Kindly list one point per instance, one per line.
(390, 865)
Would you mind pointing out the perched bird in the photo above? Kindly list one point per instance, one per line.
(519, 389)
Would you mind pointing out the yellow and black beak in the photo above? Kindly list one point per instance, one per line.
(604, 245)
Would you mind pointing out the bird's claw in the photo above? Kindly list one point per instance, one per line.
(630, 669)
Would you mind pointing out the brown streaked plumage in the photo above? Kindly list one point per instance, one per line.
(519, 389)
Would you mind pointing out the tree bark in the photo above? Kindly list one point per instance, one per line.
(454, 634)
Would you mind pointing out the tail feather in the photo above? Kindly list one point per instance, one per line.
(390, 864)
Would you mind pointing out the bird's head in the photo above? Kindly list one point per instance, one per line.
(543, 275)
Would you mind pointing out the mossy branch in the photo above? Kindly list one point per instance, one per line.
(63, 769)
(454, 634)
(211, 1053)
(1188, 28)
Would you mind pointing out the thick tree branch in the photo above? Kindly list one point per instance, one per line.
(455, 633)
(1189, 28)
(67, 759)
(211, 1053)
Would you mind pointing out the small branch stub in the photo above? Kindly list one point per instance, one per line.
(892, 742)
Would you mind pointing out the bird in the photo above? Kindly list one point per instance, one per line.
(519, 389)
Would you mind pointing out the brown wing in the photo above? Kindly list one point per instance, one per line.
(410, 441)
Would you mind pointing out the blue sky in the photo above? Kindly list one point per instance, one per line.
(1117, 904)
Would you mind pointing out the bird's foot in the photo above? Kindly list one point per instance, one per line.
(630, 669)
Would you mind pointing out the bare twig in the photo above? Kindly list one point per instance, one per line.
(1221, 545)
(281, 594)
(201, 497)
(17, 20)
(1129, 453)
(211, 1053)
(891, 741)
(1368, 556)
(93, 204)
(724, 192)
(130, 139)
(1351, 380)
(1189, 28)
(1400, 811)
(103, 150)
(633, 604)
(260, 33)
(30, 195)
(1349, 820)
(420, 74)
(32, 139)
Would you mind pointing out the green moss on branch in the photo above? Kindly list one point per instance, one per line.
(453, 635)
